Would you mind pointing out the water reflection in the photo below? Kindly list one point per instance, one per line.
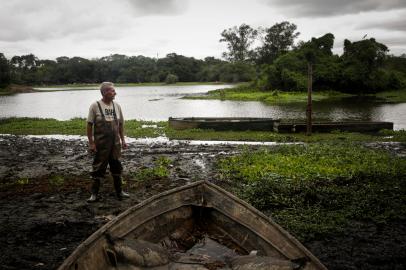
(161, 102)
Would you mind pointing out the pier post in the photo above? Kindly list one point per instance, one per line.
(309, 99)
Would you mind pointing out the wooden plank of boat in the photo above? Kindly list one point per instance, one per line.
(223, 123)
(351, 126)
(182, 219)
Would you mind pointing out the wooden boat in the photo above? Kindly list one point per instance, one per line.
(351, 126)
(197, 226)
(270, 124)
(223, 123)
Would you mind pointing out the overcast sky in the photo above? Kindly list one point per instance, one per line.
(96, 28)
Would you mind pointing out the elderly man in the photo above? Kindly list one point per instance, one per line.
(105, 131)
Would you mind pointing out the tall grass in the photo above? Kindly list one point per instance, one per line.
(76, 126)
(36, 126)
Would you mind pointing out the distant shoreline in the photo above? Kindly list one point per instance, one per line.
(16, 89)
(96, 86)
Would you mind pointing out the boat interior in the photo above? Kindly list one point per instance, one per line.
(199, 226)
(194, 237)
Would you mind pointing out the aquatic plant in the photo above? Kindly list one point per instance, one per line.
(23, 181)
(320, 188)
(159, 170)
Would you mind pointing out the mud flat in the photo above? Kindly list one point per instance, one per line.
(44, 216)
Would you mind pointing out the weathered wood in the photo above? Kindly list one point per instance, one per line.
(223, 123)
(354, 126)
(269, 124)
(179, 218)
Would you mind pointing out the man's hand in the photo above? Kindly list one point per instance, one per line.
(92, 147)
(124, 145)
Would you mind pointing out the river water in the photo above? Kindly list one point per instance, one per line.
(161, 102)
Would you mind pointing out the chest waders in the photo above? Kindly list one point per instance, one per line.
(107, 140)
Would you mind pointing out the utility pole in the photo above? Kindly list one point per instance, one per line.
(309, 99)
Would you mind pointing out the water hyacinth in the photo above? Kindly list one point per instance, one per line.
(319, 188)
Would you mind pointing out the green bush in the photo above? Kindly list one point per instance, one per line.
(171, 79)
(293, 81)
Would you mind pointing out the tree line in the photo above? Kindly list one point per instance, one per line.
(364, 66)
(29, 70)
(269, 57)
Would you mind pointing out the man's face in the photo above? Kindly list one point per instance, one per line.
(110, 93)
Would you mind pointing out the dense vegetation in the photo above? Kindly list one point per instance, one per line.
(320, 188)
(359, 70)
(245, 92)
(29, 70)
(277, 63)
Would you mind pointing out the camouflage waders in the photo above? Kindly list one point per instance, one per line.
(107, 140)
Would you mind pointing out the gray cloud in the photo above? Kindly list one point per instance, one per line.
(394, 41)
(324, 8)
(92, 19)
(393, 24)
(53, 19)
(158, 7)
(94, 28)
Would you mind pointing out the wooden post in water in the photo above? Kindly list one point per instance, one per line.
(309, 99)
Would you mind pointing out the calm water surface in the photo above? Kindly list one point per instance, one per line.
(161, 102)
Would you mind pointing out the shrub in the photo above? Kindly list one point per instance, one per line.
(171, 79)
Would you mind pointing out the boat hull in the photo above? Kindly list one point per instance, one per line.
(223, 123)
(269, 124)
(324, 127)
(195, 207)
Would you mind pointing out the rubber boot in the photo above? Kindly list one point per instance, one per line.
(95, 190)
(117, 186)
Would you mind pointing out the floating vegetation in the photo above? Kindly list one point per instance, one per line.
(320, 188)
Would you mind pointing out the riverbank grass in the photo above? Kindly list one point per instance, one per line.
(15, 89)
(247, 93)
(76, 126)
(393, 96)
(37, 126)
(319, 189)
(151, 129)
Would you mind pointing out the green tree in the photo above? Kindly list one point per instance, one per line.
(211, 69)
(326, 66)
(278, 40)
(186, 68)
(289, 71)
(362, 66)
(236, 72)
(4, 71)
(24, 68)
(239, 40)
(171, 79)
(46, 72)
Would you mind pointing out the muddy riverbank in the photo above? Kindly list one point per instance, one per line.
(44, 214)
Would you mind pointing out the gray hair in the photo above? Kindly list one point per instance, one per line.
(104, 86)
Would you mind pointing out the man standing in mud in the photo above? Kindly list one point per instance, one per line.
(105, 132)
